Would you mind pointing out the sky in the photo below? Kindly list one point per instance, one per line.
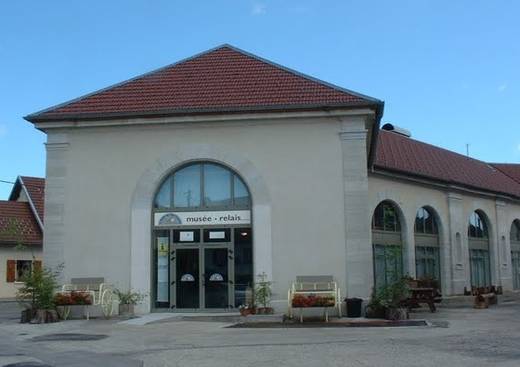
(449, 71)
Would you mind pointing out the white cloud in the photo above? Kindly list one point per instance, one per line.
(502, 87)
(259, 9)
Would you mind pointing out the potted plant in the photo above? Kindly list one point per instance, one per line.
(127, 301)
(246, 310)
(263, 294)
(393, 297)
(375, 308)
(37, 296)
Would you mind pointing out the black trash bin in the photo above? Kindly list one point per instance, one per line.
(354, 307)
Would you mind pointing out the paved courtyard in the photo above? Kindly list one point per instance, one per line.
(457, 337)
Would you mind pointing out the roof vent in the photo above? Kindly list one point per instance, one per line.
(397, 130)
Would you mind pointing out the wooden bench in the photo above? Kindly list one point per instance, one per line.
(322, 289)
(101, 293)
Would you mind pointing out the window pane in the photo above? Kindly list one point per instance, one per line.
(429, 226)
(163, 197)
(187, 187)
(217, 186)
(390, 218)
(378, 222)
(241, 193)
(419, 221)
(163, 270)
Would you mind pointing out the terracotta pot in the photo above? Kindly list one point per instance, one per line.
(126, 310)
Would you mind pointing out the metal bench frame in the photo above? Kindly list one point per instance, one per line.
(100, 293)
(320, 285)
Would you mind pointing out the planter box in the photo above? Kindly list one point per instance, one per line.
(126, 310)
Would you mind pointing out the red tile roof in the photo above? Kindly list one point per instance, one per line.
(224, 79)
(36, 189)
(510, 169)
(404, 155)
(18, 224)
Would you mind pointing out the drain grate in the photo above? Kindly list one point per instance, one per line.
(68, 337)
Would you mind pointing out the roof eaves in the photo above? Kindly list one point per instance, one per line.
(202, 111)
(438, 180)
(31, 203)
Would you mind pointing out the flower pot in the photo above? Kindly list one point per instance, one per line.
(27, 316)
(396, 314)
(375, 312)
(126, 310)
(44, 317)
(247, 311)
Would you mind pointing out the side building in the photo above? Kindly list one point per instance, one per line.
(21, 233)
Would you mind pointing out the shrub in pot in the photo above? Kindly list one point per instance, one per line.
(127, 301)
(392, 297)
(263, 294)
(37, 295)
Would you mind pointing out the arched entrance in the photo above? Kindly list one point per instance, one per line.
(478, 243)
(202, 239)
(515, 253)
(387, 244)
(427, 245)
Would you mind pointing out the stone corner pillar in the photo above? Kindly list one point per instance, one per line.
(57, 147)
(358, 246)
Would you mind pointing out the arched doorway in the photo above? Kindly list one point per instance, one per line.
(515, 253)
(203, 250)
(427, 245)
(478, 243)
(387, 244)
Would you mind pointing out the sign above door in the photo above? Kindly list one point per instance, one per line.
(231, 217)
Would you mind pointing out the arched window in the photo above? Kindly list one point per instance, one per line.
(478, 243)
(387, 244)
(515, 253)
(203, 186)
(477, 226)
(425, 222)
(427, 252)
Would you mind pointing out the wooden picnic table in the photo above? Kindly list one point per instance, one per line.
(422, 295)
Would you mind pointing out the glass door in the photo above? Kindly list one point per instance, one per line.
(216, 277)
(187, 278)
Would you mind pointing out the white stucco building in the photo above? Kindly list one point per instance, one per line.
(186, 182)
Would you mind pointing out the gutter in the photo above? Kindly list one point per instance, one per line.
(375, 134)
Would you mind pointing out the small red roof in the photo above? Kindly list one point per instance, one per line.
(224, 79)
(18, 224)
(510, 169)
(36, 189)
(400, 154)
